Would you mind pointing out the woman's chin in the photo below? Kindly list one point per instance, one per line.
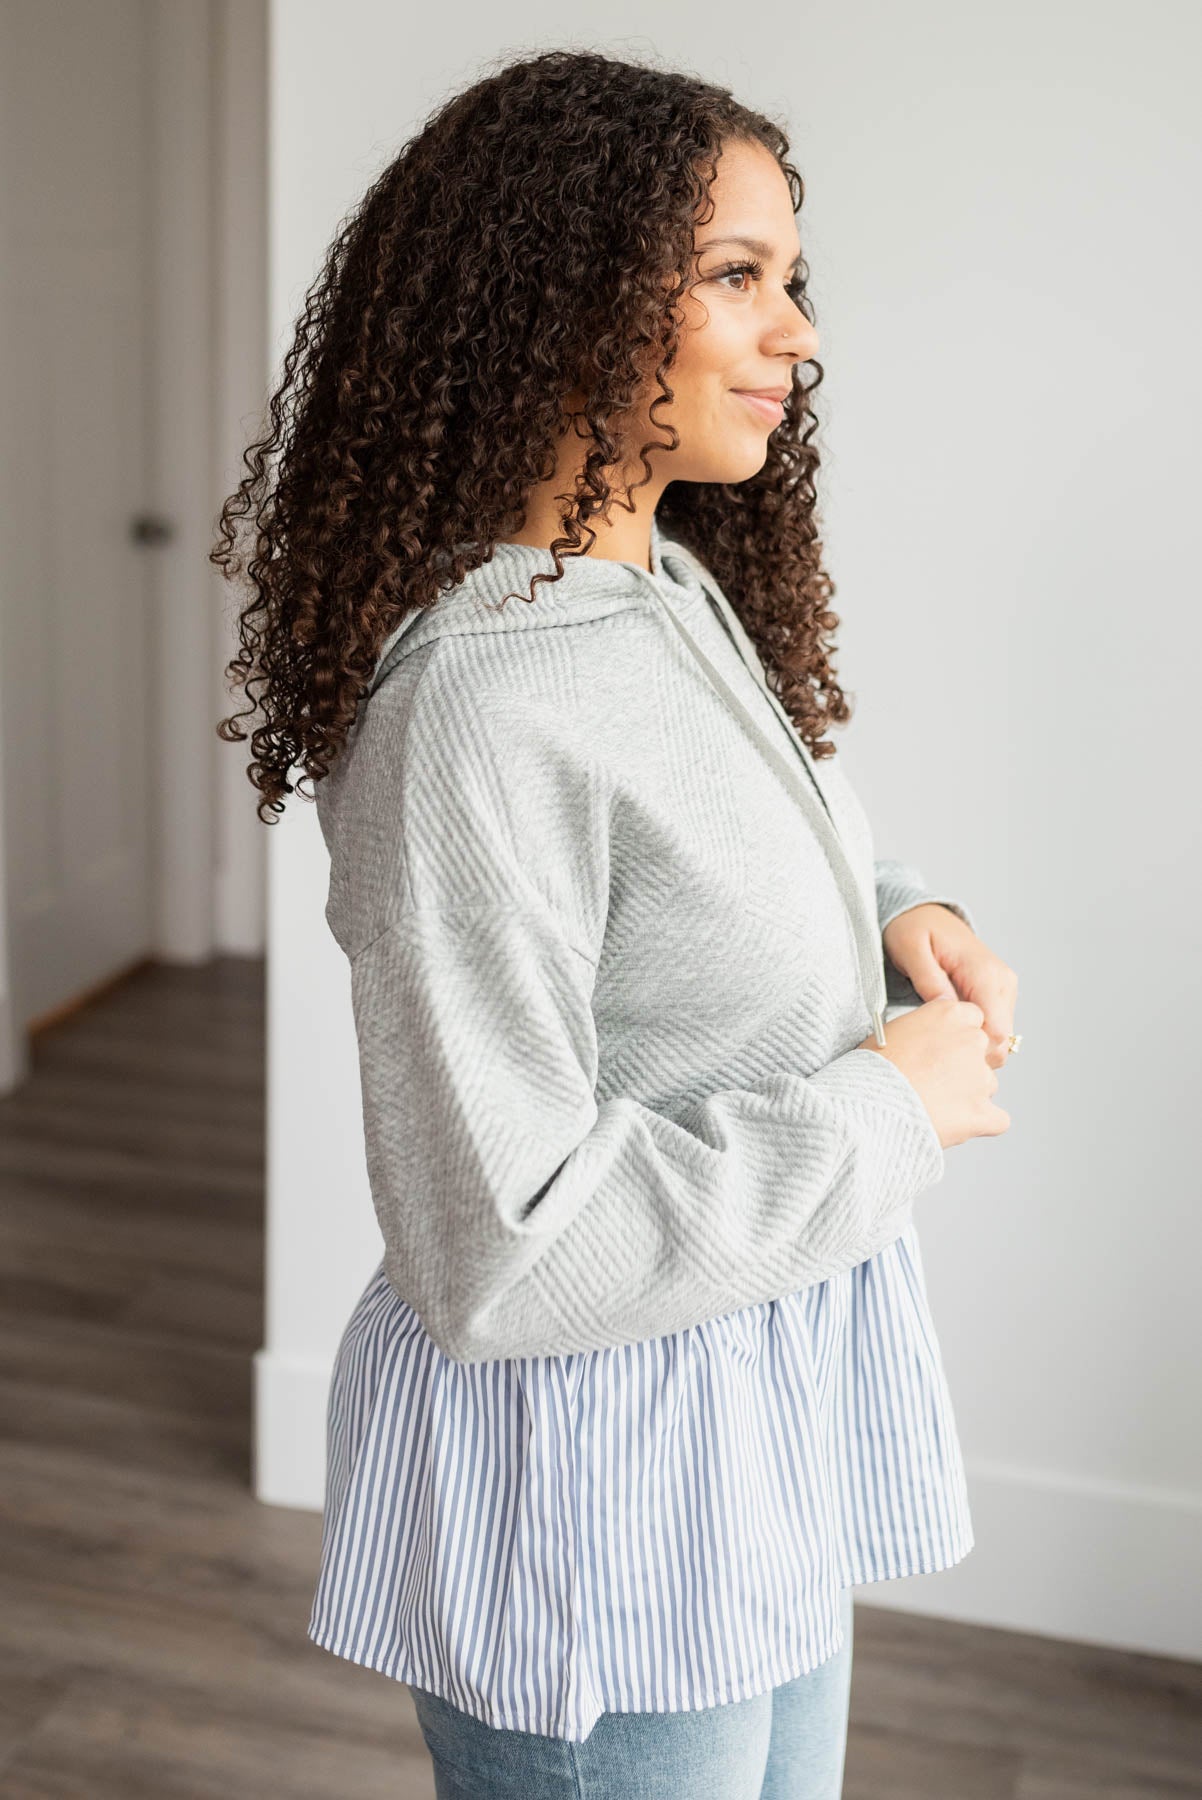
(734, 459)
(740, 462)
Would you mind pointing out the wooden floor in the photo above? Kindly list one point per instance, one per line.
(152, 1613)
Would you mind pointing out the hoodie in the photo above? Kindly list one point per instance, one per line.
(614, 941)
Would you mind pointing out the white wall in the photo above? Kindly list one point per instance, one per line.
(241, 357)
(1007, 297)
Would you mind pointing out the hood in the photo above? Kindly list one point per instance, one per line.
(590, 588)
(677, 583)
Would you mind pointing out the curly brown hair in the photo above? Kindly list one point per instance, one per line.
(530, 240)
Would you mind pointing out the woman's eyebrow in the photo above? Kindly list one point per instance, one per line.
(756, 245)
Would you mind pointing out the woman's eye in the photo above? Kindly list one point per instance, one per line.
(751, 268)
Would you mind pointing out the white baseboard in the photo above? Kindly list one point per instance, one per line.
(14, 1047)
(1088, 1561)
(290, 1398)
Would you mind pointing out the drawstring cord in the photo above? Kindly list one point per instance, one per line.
(866, 936)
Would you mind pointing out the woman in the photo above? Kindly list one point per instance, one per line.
(645, 1382)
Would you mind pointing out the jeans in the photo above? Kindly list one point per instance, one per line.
(786, 1744)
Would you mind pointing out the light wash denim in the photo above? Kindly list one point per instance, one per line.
(786, 1744)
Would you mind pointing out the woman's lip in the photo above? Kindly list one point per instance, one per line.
(772, 410)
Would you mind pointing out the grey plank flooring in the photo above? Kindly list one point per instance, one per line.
(152, 1612)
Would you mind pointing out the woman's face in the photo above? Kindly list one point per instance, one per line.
(741, 329)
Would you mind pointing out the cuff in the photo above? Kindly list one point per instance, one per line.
(899, 886)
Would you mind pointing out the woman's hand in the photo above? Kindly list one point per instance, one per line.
(942, 1050)
(944, 957)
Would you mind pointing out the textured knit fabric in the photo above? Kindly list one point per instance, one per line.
(535, 1526)
(607, 974)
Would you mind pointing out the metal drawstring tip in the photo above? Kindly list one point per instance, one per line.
(878, 1025)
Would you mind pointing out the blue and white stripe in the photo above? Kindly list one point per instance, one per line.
(660, 1526)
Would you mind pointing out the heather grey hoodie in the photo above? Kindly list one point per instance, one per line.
(614, 939)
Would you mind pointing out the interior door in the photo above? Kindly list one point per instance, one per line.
(75, 619)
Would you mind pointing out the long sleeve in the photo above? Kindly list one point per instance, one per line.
(522, 1216)
(900, 886)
